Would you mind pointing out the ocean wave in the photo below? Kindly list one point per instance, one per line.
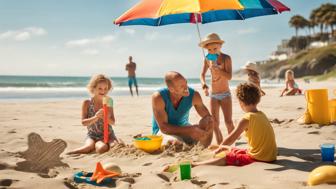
(66, 89)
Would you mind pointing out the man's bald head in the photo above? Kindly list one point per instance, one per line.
(171, 77)
(176, 84)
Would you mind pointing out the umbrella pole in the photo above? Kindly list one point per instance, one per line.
(199, 33)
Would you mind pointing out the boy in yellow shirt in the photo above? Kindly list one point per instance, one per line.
(257, 128)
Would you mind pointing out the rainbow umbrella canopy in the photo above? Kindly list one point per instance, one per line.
(164, 12)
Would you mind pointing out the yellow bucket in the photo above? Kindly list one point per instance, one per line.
(318, 106)
(151, 145)
(332, 110)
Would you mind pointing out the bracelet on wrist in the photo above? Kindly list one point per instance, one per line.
(204, 86)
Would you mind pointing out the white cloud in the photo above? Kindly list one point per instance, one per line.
(37, 31)
(247, 31)
(92, 52)
(121, 50)
(108, 39)
(152, 36)
(79, 43)
(6, 35)
(184, 38)
(130, 31)
(23, 34)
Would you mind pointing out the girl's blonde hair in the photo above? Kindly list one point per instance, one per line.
(98, 79)
(289, 72)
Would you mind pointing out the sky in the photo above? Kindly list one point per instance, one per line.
(78, 38)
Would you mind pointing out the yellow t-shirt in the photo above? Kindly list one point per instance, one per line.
(260, 137)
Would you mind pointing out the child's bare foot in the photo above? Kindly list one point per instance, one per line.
(194, 164)
(70, 153)
(222, 148)
(170, 168)
(213, 147)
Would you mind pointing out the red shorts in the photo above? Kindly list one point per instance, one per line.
(238, 157)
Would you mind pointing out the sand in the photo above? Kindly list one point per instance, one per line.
(27, 161)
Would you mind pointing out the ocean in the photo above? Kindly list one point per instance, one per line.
(64, 87)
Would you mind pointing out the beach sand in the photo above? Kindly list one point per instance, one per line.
(20, 166)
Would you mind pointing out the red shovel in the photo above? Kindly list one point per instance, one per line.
(107, 102)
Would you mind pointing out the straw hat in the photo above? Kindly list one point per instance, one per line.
(250, 66)
(210, 38)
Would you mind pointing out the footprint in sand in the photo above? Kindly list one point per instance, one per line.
(200, 183)
(277, 121)
(70, 183)
(4, 166)
(289, 120)
(51, 174)
(7, 182)
(165, 176)
(41, 156)
(128, 179)
(147, 164)
(223, 183)
(12, 131)
(314, 133)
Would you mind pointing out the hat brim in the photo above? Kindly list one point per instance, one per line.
(248, 68)
(204, 43)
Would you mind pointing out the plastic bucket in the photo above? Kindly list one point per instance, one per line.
(332, 110)
(185, 170)
(318, 107)
(327, 152)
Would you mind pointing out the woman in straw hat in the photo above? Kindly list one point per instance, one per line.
(253, 75)
(220, 67)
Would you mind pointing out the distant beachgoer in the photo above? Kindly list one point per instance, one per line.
(253, 75)
(220, 66)
(92, 117)
(258, 130)
(292, 88)
(130, 68)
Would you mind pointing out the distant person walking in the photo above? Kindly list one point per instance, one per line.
(130, 68)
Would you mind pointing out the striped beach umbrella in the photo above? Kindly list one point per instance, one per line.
(164, 12)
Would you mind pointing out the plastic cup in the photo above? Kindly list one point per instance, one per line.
(327, 152)
(185, 170)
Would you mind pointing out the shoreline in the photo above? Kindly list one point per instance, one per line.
(66, 94)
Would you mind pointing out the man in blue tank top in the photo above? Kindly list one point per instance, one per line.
(171, 106)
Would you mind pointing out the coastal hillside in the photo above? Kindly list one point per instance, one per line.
(318, 62)
(310, 55)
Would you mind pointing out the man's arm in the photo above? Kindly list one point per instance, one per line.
(201, 109)
(126, 68)
(161, 118)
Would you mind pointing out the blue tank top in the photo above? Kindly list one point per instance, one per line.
(178, 116)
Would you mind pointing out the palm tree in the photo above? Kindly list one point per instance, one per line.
(311, 26)
(313, 18)
(323, 15)
(298, 22)
(329, 18)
